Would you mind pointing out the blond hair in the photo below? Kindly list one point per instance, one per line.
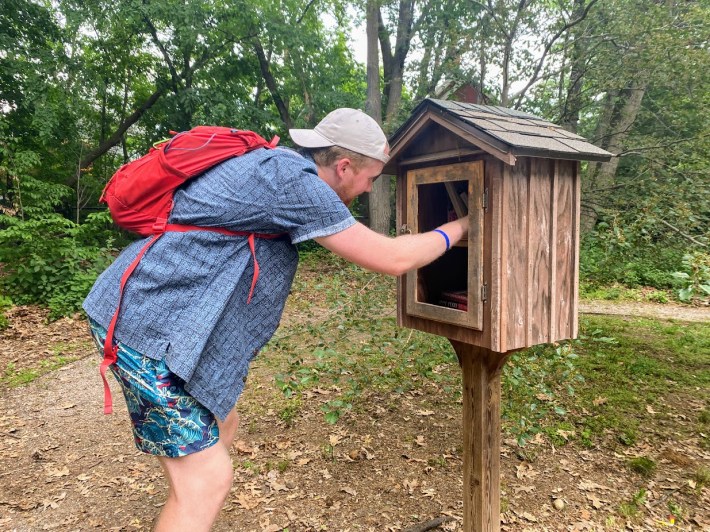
(328, 156)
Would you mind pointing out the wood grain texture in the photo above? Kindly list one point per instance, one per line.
(539, 263)
(516, 257)
(575, 249)
(493, 251)
(426, 209)
(565, 248)
(553, 252)
(481, 370)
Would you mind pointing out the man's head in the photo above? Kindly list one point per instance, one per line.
(349, 149)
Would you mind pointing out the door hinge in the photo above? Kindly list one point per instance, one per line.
(485, 199)
(484, 292)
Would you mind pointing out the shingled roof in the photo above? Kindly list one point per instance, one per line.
(505, 131)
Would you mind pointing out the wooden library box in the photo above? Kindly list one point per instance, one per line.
(513, 282)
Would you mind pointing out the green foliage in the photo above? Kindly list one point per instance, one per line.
(702, 477)
(52, 261)
(13, 377)
(536, 384)
(642, 465)
(5, 304)
(695, 277)
(633, 363)
(632, 507)
(350, 351)
(614, 254)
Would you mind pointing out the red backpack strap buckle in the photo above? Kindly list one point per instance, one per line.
(159, 226)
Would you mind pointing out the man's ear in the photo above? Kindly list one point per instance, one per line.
(341, 165)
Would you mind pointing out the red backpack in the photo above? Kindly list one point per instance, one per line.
(140, 197)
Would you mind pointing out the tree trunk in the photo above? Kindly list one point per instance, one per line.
(271, 84)
(573, 102)
(603, 175)
(379, 199)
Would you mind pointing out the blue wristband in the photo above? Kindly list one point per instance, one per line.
(446, 237)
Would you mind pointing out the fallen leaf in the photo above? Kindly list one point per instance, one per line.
(247, 502)
(335, 439)
(566, 434)
(411, 485)
(588, 486)
(349, 491)
(596, 502)
(424, 412)
(420, 441)
(528, 517)
(242, 447)
(650, 410)
(600, 401)
(538, 439)
(59, 472)
(525, 470)
(430, 493)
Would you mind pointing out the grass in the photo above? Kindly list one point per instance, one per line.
(14, 377)
(596, 390)
(642, 465)
(631, 508)
(618, 292)
(62, 353)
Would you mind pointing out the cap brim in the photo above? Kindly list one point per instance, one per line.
(308, 138)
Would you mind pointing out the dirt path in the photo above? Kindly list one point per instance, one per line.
(396, 462)
(646, 310)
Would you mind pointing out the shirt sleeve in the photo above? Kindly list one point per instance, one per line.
(306, 207)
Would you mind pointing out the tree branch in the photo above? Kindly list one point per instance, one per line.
(681, 233)
(271, 82)
(173, 72)
(308, 6)
(548, 46)
(114, 139)
(637, 151)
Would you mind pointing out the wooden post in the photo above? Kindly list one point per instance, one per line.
(481, 369)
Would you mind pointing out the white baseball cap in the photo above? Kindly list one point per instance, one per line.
(348, 128)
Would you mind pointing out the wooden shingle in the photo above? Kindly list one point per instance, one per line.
(504, 133)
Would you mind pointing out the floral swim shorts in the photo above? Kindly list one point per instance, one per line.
(167, 420)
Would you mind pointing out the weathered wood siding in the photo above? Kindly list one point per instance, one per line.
(530, 256)
(538, 252)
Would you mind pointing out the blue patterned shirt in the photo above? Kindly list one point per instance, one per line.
(186, 301)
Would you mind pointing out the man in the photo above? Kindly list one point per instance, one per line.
(186, 334)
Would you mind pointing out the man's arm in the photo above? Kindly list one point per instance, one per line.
(393, 256)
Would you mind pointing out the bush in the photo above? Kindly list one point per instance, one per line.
(52, 261)
(609, 257)
(695, 277)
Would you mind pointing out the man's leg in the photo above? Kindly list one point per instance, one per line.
(199, 484)
(228, 429)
